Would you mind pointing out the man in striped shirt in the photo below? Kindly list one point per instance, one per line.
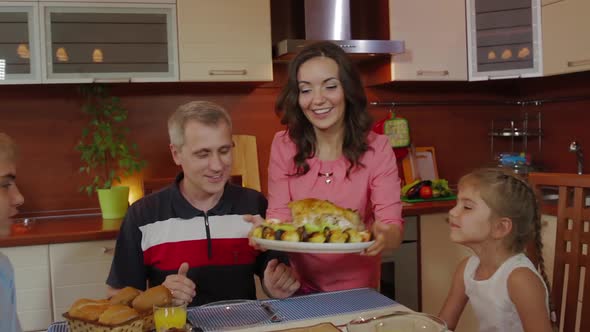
(191, 236)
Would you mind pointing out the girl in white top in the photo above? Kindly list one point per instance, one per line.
(497, 216)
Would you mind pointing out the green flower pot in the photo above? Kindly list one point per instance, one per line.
(113, 202)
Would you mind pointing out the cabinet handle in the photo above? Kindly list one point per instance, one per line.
(432, 72)
(108, 251)
(548, 3)
(214, 72)
(578, 63)
(112, 80)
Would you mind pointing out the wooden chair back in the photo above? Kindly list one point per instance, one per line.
(571, 269)
(244, 170)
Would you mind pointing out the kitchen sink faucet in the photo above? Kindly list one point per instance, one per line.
(577, 148)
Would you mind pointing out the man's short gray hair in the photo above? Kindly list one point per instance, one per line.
(205, 112)
(8, 150)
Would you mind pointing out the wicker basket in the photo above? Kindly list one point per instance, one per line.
(80, 325)
(148, 322)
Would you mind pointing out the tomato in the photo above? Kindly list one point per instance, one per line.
(19, 229)
(426, 192)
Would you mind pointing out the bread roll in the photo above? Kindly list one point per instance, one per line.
(158, 295)
(87, 309)
(117, 314)
(125, 296)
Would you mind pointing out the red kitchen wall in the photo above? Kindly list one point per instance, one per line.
(46, 122)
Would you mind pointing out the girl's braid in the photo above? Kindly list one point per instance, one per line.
(539, 244)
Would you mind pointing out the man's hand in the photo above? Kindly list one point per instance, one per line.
(279, 280)
(386, 236)
(255, 220)
(182, 288)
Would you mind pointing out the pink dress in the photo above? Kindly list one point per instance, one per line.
(373, 190)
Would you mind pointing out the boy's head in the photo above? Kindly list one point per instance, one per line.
(10, 196)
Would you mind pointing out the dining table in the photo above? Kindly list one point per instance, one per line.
(335, 308)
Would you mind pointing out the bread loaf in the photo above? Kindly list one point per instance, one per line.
(87, 309)
(125, 296)
(117, 314)
(158, 295)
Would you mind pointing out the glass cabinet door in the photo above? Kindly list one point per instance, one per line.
(110, 43)
(19, 55)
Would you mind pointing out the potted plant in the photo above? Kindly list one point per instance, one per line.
(105, 151)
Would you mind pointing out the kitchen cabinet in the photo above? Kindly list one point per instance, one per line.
(565, 33)
(88, 42)
(33, 293)
(504, 39)
(78, 270)
(49, 278)
(439, 259)
(434, 35)
(224, 40)
(400, 268)
(20, 58)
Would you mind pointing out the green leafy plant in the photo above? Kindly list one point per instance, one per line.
(105, 151)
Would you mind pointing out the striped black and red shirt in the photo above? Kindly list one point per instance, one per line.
(163, 230)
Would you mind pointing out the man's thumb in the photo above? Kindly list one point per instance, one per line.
(272, 265)
(183, 270)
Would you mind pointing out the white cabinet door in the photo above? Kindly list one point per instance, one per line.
(565, 36)
(79, 270)
(31, 272)
(114, 42)
(224, 40)
(20, 57)
(434, 35)
(439, 259)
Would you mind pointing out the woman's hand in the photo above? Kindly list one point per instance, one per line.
(183, 289)
(255, 220)
(386, 236)
(279, 280)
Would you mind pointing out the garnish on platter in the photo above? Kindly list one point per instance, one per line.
(315, 221)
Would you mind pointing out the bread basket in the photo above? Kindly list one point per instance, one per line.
(81, 325)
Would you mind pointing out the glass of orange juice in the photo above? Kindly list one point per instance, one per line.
(169, 316)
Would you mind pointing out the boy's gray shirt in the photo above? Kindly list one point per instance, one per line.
(8, 317)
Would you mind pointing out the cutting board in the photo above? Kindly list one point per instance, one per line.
(420, 164)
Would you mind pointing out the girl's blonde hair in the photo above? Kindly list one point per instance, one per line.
(510, 196)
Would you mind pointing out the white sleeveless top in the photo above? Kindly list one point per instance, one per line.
(489, 298)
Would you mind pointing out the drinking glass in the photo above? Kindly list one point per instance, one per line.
(169, 316)
(398, 321)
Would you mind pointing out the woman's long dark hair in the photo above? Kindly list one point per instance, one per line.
(357, 121)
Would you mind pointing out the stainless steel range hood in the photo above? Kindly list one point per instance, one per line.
(330, 20)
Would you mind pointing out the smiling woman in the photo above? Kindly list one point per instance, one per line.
(328, 152)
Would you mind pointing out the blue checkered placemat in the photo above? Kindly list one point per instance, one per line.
(248, 314)
(292, 309)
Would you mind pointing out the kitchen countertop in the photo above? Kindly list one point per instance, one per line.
(90, 226)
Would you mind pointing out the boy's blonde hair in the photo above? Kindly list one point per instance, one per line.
(205, 112)
(8, 151)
